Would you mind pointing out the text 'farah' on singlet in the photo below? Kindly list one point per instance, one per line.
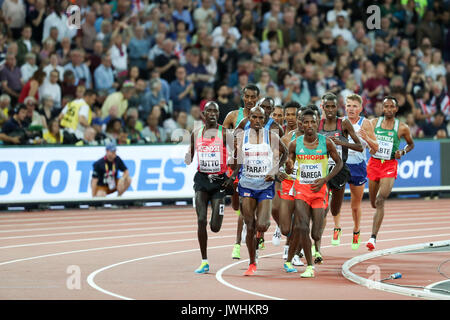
(257, 161)
(312, 163)
(355, 157)
(211, 153)
(388, 140)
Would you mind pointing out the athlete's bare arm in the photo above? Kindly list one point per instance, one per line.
(278, 129)
(230, 119)
(368, 134)
(190, 154)
(404, 132)
(332, 152)
(291, 157)
(357, 145)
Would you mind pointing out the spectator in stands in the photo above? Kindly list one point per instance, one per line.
(58, 19)
(88, 31)
(297, 90)
(35, 18)
(68, 87)
(104, 75)
(155, 50)
(79, 68)
(88, 138)
(436, 67)
(183, 14)
(437, 128)
(377, 87)
(205, 14)
(119, 99)
(166, 63)
(5, 106)
(196, 71)
(153, 133)
(29, 68)
(416, 130)
(134, 136)
(14, 14)
(119, 55)
(14, 129)
(153, 97)
(106, 15)
(77, 116)
(10, 78)
(137, 100)
(138, 49)
(31, 88)
(48, 109)
(54, 65)
(94, 59)
(194, 119)
(24, 45)
(54, 134)
(181, 91)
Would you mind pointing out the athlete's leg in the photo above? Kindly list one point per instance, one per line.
(373, 191)
(357, 193)
(201, 207)
(276, 204)
(218, 207)
(385, 188)
(263, 212)
(336, 204)
(285, 218)
(302, 217)
(248, 211)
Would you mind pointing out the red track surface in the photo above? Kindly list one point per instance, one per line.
(151, 253)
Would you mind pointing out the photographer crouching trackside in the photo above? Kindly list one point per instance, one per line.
(105, 175)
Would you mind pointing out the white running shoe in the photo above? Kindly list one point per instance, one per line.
(296, 261)
(285, 253)
(244, 232)
(276, 238)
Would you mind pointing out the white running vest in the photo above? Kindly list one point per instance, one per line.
(257, 162)
(355, 157)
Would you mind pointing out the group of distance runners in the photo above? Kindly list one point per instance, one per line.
(295, 174)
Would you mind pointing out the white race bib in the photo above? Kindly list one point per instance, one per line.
(384, 150)
(310, 173)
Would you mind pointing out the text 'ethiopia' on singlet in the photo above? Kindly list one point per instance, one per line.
(388, 140)
(211, 153)
(312, 163)
(257, 162)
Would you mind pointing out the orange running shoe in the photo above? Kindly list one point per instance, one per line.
(251, 270)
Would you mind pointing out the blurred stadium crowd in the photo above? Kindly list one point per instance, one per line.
(136, 70)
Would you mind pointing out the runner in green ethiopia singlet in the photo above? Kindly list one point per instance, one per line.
(388, 140)
(239, 117)
(312, 163)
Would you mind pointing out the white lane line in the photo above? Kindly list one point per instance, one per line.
(91, 277)
(74, 220)
(33, 244)
(219, 274)
(170, 225)
(108, 247)
(175, 215)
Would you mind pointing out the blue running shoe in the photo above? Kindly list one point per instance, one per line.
(204, 268)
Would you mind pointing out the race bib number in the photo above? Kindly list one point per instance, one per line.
(209, 162)
(310, 173)
(384, 150)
